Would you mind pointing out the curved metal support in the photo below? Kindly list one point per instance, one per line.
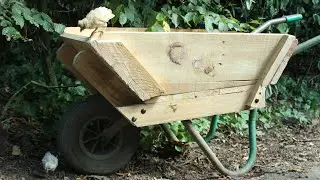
(307, 45)
(169, 133)
(213, 128)
(212, 157)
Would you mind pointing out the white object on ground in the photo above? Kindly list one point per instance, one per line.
(49, 162)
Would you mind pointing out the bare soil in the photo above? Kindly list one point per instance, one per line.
(283, 153)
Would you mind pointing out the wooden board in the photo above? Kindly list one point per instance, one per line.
(172, 108)
(183, 62)
(65, 55)
(104, 80)
(279, 55)
(124, 64)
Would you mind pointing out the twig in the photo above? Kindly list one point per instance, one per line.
(6, 107)
(307, 140)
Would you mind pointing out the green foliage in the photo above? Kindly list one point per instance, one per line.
(294, 97)
(15, 15)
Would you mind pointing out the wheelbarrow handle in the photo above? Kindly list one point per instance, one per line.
(284, 19)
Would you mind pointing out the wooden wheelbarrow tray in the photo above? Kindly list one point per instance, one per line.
(160, 77)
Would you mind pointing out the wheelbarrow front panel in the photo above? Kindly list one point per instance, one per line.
(157, 77)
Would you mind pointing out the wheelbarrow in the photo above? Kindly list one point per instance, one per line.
(139, 78)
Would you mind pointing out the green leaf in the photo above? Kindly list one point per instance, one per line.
(116, 12)
(18, 19)
(17, 9)
(193, 2)
(222, 26)
(59, 28)
(316, 18)
(282, 28)
(254, 22)
(122, 18)
(315, 2)
(47, 26)
(174, 19)
(160, 17)
(197, 19)
(5, 23)
(28, 16)
(129, 13)
(208, 20)
(201, 9)
(11, 32)
(189, 16)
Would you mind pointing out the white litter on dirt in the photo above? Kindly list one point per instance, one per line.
(49, 162)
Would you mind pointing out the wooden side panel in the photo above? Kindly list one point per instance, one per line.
(183, 62)
(65, 55)
(278, 56)
(116, 56)
(178, 107)
(284, 63)
(103, 79)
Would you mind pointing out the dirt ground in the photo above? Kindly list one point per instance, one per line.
(283, 153)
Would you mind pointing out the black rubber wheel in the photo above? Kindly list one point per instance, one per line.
(78, 142)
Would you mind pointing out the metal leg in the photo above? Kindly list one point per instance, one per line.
(212, 157)
(169, 132)
(213, 128)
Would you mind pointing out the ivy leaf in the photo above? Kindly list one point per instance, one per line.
(222, 26)
(174, 19)
(48, 26)
(189, 16)
(116, 12)
(201, 9)
(129, 13)
(59, 28)
(11, 32)
(45, 17)
(283, 28)
(316, 18)
(18, 19)
(197, 19)
(5, 23)
(122, 18)
(193, 2)
(208, 20)
(17, 9)
(166, 26)
(156, 28)
(37, 18)
(27, 15)
(160, 17)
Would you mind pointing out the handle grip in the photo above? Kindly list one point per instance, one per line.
(293, 18)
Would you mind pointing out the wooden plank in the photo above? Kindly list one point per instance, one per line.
(65, 55)
(194, 61)
(124, 64)
(267, 74)
(198, 94)
(189, 108)
(104, 80)
(284, 63)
